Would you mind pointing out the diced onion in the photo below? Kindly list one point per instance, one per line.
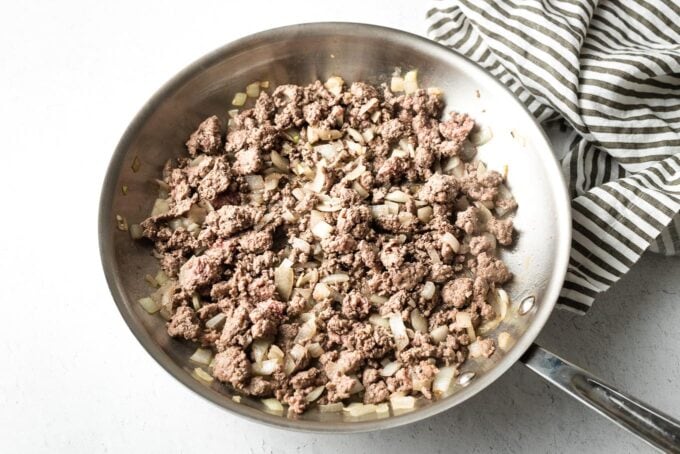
(149, 305)
(390, 369)
(315, 350)
(368, 106)
(480, 135)
(330, 206)
(452, 163)
(356, 172)
(434, 91)
(411, 82)
(301, 245)
(504, 341)
(203, 375)
(428, 290)
(402, 402)
(425, 214)
(397, 196)
(418, 321)
(259, 349)
(334, 85)
(239, 99)
(463, 320)
(336, 278)
(359, 189)
(272, 405)
(288, 216)
(379, 210)
(321, 292)
(307, 331)
(266, 367)
(442, 380)
(392, 207)
(382, 410)
(368, 134)
(253, 90)
(279, 161)
(355, 135)
(439, 333)
(377, 299)
(434, 256)
(201, 356)
(377, 320)
(322, 229)
(397, 84)
(500, 302)
(136, 231)
(331, 408)
(271, 181)
(160, 206)
(284, 277)
(275, 352)
(398, 331)
(326, 150)
(451, 241)
(216, 321)
(315, 394)
(255, 182)
(357, 409)
(298, 352)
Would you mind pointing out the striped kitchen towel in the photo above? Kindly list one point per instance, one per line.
(611, 71)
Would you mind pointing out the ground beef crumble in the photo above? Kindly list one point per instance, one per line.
(293, 234)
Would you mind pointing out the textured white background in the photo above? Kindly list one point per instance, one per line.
(74, 379)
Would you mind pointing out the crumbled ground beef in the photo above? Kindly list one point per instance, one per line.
(343, 189)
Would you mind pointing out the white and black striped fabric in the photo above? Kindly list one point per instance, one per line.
(611, 71)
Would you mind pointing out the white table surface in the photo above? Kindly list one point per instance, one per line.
(74, 379)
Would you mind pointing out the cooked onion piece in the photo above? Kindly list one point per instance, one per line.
(398, 331)
(201, 356)
(442, 380)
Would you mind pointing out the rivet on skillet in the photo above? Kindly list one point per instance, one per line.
(526, 305)
(466, 378)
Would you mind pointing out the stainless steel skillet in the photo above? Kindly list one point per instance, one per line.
(300, 54)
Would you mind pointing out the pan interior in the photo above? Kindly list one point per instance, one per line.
(301, 54)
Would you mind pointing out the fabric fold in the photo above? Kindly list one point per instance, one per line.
(611, 71)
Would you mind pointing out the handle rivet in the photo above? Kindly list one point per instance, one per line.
(526, 305)
(466, 378)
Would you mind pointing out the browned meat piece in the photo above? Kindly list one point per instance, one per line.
(492, 269)
(198, 272)
(468, 220)
(247, 162)
(440, 189)
(305, 379)
(393, 169)
(355, 221)
(457, 293)
(207, 138)
(376, 393)
(480, 244)
(502, 230)
(232, 366)
(339, 387)
(266, 318)
(231, 219)
(391, 130)
(355, 306)
(457, 127)
(184, 323)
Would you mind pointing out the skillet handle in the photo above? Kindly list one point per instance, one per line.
(649, 424)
